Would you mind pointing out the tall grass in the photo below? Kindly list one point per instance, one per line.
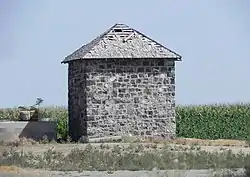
(134, 157)
(221, 121)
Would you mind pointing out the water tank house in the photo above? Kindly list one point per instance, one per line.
(121, 83)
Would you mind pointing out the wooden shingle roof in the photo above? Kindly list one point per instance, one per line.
(121, 41)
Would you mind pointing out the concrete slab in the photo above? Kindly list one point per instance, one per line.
(36, 130)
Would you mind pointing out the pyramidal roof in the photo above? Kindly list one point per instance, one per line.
(121, 41)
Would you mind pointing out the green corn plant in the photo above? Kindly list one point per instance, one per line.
(218, 121)
(222, 121)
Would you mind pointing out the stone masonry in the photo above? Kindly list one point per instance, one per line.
(122, 96)
(121, 83)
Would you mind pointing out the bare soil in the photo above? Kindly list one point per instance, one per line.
(155, 173)
(180, 144)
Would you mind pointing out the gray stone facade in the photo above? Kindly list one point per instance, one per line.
(122, 96)
(121, 83)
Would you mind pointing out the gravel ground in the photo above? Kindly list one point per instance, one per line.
(169, 173)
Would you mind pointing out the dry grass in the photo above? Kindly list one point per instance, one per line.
(202, 142)
(11, 168)
(25, 153)
(177, 145)
(117, 157)
(192, 141)
(16, 142)
(177, 141)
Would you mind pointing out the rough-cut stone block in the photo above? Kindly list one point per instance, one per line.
(136, 97)
(36, 130)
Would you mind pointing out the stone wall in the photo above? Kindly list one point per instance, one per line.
(124, 96)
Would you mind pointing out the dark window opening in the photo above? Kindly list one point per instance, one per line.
(117, 30)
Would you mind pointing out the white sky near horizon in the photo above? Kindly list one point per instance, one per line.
(213, 37)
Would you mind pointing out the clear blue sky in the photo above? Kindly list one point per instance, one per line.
(212, 36)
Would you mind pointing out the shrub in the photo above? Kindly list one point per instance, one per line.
(60, 114)
(10, 114)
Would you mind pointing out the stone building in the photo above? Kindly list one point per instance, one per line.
(121, 83)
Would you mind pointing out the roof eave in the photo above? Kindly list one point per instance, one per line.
(177, 58)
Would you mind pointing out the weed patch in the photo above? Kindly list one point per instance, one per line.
(130, 158)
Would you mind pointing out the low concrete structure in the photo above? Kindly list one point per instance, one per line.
(36, 130)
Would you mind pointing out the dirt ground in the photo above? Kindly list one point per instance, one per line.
(180, 144)
(17, 172)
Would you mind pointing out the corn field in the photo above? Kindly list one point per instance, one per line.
(224, 121)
